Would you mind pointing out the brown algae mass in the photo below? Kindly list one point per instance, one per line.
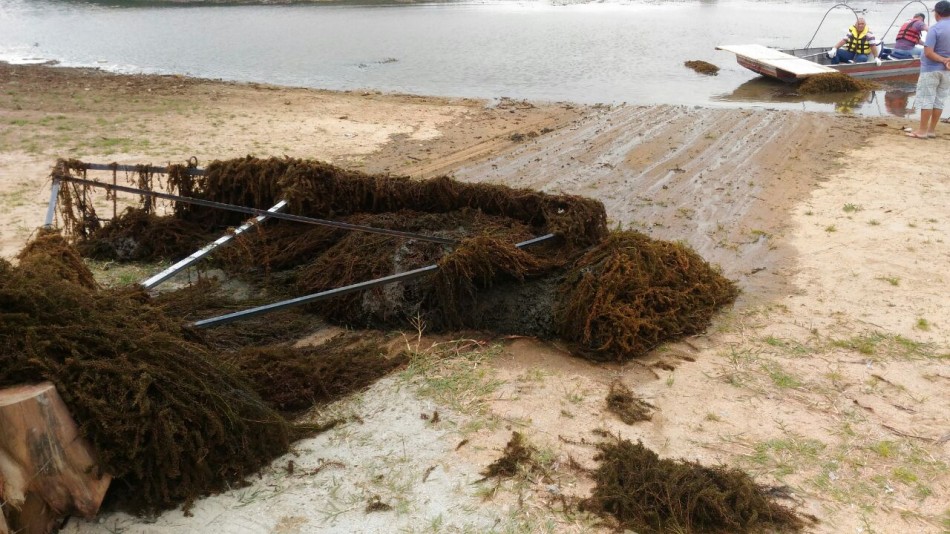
(834, 82)
(645, 493)
(630, 293)
(621, 293)
(164, 416)
(702, 67)
(627, 406)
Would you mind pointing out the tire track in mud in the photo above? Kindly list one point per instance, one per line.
(720, 180)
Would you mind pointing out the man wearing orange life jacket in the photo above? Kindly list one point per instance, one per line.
(912, 33)
(858, 45)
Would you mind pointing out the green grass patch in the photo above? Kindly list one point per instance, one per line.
(790, 347)
(784, 456)
(904, 475)
(780, 377)
(111, 145)
(454, 374)
(884, 449)
(894, 346)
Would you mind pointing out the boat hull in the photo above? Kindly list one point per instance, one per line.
(889, 68)
(768, 66)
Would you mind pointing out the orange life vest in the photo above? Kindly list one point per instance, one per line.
(909, 32)
(858, 42)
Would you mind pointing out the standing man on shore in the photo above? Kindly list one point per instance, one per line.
(933, 85)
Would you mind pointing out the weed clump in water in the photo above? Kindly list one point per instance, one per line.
(834, 82)
(702, 67)
(627, 406)
(652, 495)
(630, 293)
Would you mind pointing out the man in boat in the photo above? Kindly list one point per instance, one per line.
(933, 84)
(912, 33)
(858, 45)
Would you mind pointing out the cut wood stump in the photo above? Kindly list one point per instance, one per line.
(47, 471)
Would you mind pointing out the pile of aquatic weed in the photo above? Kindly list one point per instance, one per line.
(318, 189)
(630, 293)
(296, 378)
(834, 82)
(357, 257)
(652, 495)
(613, 296)
(139, 235)
(47, 250)
(517, 456)
(167, 420)
(207, 297)
(627, 406)
(702, 67)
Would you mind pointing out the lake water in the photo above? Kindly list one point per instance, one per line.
(609, 51)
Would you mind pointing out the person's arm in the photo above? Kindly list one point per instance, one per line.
(834, 49)
(932, 55)
(875, 48)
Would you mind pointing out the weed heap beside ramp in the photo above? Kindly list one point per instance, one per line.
(614, 295)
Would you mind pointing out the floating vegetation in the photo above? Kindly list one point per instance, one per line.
(702, 67)
(630, 293)
(627, 406)
(834, 82)
(651, 495)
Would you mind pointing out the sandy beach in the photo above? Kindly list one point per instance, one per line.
(828, 377)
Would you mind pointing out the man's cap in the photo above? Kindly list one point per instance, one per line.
(942, 8)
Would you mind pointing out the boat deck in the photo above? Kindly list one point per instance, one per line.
(776, 59)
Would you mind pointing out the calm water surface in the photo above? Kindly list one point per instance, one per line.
(609, 51)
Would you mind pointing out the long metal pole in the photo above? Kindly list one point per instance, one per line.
(51, 210)
(204, 251)
(255, 211)
(360, 286)
(135, 168)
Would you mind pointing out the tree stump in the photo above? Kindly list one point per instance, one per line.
(47, 471)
